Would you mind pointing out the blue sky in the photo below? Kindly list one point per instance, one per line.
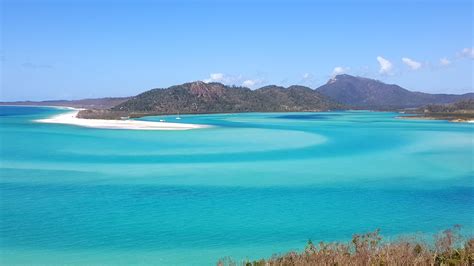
(77, 49)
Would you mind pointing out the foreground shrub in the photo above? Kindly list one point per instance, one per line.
(449, 248)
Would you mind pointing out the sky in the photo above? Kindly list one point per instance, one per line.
(71, 49)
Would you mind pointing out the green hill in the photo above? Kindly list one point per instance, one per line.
(199, 97)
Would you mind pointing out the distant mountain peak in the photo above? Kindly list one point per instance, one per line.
(332, 80)
(347, 77)
(340, 77)
(198, 82)
(369, 93)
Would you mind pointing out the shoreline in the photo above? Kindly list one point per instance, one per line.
(70, 118)
(150, 125)
(453, 120)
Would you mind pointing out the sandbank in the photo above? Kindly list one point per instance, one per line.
(70, 118)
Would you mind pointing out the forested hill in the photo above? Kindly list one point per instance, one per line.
(200, 97)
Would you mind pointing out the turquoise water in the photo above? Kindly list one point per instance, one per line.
(253, 185)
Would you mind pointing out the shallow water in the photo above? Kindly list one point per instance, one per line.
(253, 185)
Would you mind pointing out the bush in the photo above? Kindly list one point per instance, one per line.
(449, 248)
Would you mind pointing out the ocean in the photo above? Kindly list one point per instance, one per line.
(250, 186)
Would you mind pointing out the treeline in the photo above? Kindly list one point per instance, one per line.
(463, 106)
(449, 248)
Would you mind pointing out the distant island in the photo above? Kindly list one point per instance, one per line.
(370, 94)
(462, 111)
(341, 92)
(199, 97)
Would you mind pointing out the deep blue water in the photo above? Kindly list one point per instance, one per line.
(253, 185)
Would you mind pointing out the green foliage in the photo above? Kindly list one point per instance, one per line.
(200, 97)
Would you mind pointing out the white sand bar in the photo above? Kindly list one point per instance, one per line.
(70, 118)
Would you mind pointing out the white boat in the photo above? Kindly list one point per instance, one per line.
(178, 118)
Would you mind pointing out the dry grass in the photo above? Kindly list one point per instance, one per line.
(449, 248)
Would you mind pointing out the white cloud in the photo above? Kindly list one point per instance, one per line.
(385, 65)
(467, 53)
(250, 83)
(414, 65)
(224, 78)
(306, 76)
(232, 80)
(339, 70)
(215, 77)
(444, 61)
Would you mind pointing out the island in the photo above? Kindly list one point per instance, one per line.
(341, 92)
(462, 111)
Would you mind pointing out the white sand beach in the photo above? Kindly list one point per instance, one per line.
(70, 118)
